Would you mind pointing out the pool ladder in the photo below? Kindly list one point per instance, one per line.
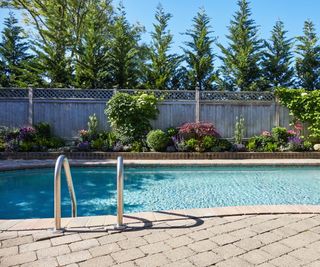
(63, 161)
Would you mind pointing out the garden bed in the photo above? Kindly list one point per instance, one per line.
(161, 155)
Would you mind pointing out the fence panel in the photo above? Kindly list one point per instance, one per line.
(67, 110)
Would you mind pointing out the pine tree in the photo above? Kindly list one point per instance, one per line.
(59, 25)
(277, 59)
(14, 54)
(3, 78)
(199, 55)
(125, 52)
(92, 64)
(308, 60)
(240, 68)
(163, 65)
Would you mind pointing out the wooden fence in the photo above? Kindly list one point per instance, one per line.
(67, 110)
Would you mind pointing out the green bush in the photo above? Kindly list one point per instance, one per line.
(172, 131)
(192, 144)
(252, 144)
(308, 146)
(157, 140)
(304, 106)
(223, 145)
(137, 146)
(130, 115)
(208, 143)
(270, 147)
(43, 130)
(99, 144)
(280, 135)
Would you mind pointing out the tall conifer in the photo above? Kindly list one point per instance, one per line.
(199, 55)
(308, 60)
(277, 58)
(240, 60)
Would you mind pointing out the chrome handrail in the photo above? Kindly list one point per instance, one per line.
(120, 172)
(62, 160)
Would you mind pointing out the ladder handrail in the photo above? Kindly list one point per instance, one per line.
(120, 174)
(62, 161)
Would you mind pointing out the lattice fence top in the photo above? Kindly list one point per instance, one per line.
(106, 94)
(236, 96)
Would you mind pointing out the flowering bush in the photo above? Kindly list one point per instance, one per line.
(27, 134)
(280, 139)
(197, 130)
(84, 135)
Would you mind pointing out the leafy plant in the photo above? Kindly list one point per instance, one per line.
(304, 106)
(93, 125)
(280, 135)
(192, 144)
(223, 145)
(239, 130)
(197, 130)
(209, 142)
(130, 115)
(157, 140)
(43, 130)
(137, 146)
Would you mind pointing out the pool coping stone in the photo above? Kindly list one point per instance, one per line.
(6, 165)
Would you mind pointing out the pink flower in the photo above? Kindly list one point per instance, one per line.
(298, 126)
(266, 133)
(291, 132)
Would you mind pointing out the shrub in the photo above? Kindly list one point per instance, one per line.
(304, 106)
(137, 146)
(280, 135)
(27, 134)
(130, 115)
(99, 144)
(270, 147)
(197, 130)
(223, 145)
(307, 145)
(43, 130)
(157, 140)
(171, 131)
(192, 144)
(208, 143)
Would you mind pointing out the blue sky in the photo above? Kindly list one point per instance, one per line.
(265, 12)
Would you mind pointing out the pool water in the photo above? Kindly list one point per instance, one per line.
(29, 193)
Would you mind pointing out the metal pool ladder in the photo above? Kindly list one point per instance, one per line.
(63, 161)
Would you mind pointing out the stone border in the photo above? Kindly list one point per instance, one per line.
(77, 223)
(161, 155)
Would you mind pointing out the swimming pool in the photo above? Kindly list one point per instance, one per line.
(29, 193)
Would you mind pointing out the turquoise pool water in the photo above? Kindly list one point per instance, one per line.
(29, 193)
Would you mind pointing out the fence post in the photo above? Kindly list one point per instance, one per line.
(276, 112)
(30, 106)
(197, 109)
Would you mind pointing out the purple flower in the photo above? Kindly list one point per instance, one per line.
(27, 133)
(295, 140)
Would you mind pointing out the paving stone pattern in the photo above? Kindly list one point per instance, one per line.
(246, 240)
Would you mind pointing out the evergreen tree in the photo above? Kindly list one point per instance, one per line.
(163, 65)
(241, 59)
(308, 60)
(92, 62)
(59, 25)
(125, 53)
(3, 78)
(277, 59)
(199, 55)
(14, 55)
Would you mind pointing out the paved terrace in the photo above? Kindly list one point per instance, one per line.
(233, 236)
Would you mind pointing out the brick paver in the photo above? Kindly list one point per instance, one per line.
(246, 240)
